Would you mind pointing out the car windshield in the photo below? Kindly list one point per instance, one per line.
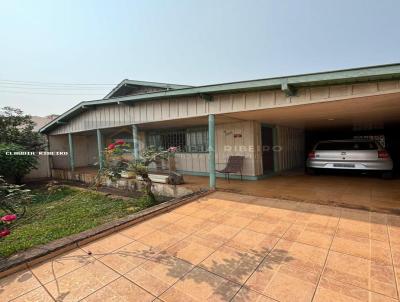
(347, 146)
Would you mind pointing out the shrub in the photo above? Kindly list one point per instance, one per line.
(13, 198)
(115, 163)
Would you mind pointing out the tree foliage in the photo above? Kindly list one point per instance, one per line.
(17, 128)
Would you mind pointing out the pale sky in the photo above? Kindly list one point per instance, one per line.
(50, 50)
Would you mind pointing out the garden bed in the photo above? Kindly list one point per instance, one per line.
(65, 211)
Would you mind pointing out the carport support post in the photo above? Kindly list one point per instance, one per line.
(274, 147)
(211, 149)
(135, 138)
(100, 148)
(71, 152)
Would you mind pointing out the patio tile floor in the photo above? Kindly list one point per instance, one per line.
(228, 247)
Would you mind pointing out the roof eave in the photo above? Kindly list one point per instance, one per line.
(381, 72)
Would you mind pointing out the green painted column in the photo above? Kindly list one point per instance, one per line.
(274, 147)
(100, 148)
(211, 149)
(135, 138)
(71, 152)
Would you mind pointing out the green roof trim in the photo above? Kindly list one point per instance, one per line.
(345, 76)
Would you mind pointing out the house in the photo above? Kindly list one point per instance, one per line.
(41, 121)
(271, 122)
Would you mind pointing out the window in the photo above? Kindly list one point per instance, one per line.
(191, 140)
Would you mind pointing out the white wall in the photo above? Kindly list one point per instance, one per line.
(42, 170)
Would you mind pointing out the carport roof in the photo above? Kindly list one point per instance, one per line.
(363, 74)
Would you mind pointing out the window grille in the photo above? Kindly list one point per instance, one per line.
(191, 140)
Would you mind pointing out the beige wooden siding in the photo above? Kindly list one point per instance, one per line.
(243, 144)
(192, 162)
(240, 138)
(59, 143)
(291, 154)
(226, 145)
(107, 116)
(85, 148)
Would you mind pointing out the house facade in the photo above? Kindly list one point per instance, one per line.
(271, 122)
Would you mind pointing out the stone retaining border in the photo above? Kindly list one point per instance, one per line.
(25, 259)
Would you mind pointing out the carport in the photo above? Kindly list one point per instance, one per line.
(373, 117)
(295, 129)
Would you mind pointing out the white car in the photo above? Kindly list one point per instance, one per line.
(350, 155)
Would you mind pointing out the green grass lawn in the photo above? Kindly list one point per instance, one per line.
(64, 212)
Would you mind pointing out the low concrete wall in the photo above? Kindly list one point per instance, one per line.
(123, 183)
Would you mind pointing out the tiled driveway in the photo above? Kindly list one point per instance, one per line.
(339, 188)
(229, 247)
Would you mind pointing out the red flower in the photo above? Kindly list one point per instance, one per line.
(119, 142)
(4, 233)
(8, 218)
(111, 146)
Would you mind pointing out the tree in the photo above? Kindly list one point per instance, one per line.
(13, 163)
(17, 128)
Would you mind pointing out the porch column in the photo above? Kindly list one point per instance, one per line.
(100, 148)
(275, 143)
(49, 158)
(211, 149)
(135, 139)
(71, 152)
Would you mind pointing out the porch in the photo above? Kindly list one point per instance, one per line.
(359, 192)
(206, 142)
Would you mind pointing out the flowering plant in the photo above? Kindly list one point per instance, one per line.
(118, 148)
(114, 161)
(172, 149)
(13, 200)
(7, 219)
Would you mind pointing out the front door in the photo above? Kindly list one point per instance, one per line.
(267, 152)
